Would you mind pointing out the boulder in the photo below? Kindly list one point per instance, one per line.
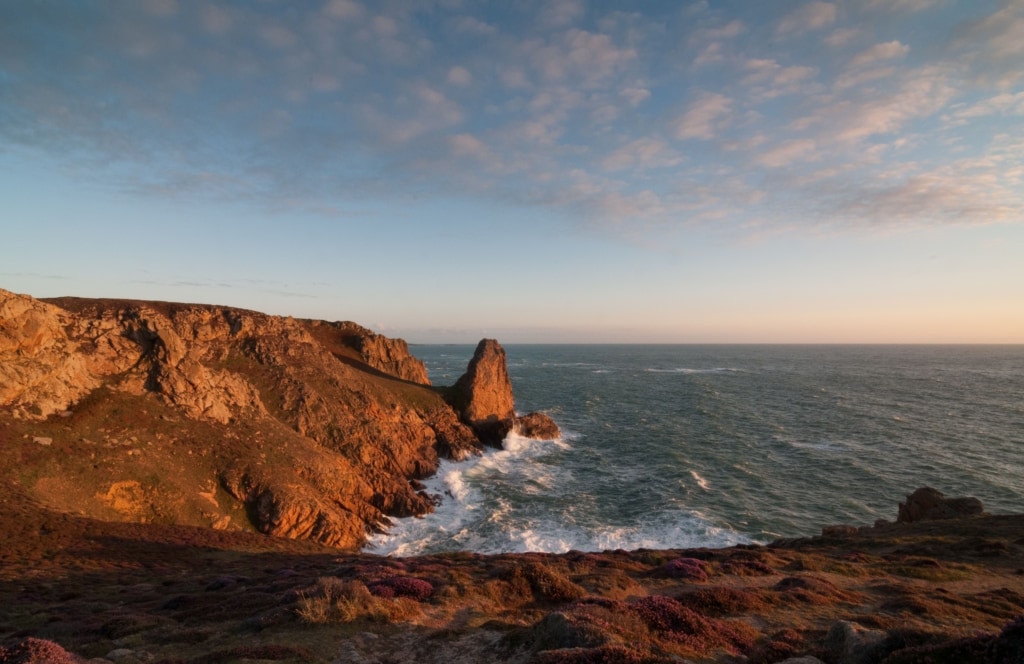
(849, 643)
(536, 425)
(927, 504)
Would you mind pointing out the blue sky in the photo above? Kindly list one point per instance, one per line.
(785, 171)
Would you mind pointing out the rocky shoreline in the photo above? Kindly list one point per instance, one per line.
(213, 416)
(192, 483)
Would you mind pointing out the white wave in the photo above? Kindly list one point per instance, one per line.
(668, 531)
(701, 482)
(460, 504)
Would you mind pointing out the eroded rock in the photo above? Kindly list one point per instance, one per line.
(483, 395)
(483, 398)
(927, 504)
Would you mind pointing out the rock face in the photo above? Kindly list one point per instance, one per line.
(927, 504)
(390, 356)
(483, 395)
(483, 398)
(340, 419)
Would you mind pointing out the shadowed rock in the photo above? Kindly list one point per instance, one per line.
(927, 504)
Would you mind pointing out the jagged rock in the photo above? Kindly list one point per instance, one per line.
(537, 425)
(388, 355)
(927, 504)
(44, 368)
(483, 395)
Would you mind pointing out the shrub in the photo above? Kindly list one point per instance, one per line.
(747, 568)
(546, 583)
(37, 651)
(676, 622)
(333, 600)
(686, 568)
(402, 586)
(723, 601)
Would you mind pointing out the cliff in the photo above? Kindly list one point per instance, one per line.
(219, 417)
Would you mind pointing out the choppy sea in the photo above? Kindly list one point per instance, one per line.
(669, 446)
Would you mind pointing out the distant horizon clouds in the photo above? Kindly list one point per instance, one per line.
(694, 171)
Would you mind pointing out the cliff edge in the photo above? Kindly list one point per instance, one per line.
(159, 412)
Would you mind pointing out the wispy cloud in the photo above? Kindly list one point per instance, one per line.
(704, 118)
(624, 115)
(879, 53)
(812, 16)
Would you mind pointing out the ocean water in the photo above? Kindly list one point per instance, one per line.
(681, 446)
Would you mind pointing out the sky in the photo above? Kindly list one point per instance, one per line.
(536, 171)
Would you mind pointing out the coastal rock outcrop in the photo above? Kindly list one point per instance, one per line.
(316, 429)
(388, 355)
(483, 395)
(927, 504)
(484, 400)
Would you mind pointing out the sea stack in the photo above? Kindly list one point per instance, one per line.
(483, 398)
(483, 395)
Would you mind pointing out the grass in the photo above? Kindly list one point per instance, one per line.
(334, 600)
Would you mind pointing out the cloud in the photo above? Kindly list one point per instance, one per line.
(772, 79)
(635, 95)
(344, 9)
(215, 19)
(384, 26)
(704, 117)
(933, 197)
(560, 13)
(643, 153)
(467, 145)
(712, 53)
(916, 94)
(586, 57)
(909, 6)
(1003, 104)
(278, 36)
(812, 16)
(842, 37)
(787, 153)
(878, 53)
(995, 44)
(730, 30)
(161, 8)
(459, 76)
(474, 26)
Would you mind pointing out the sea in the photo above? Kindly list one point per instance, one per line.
(679, 446)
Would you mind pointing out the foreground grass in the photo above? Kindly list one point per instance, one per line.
(152, 593)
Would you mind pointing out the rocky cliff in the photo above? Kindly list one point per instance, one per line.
(214, 416)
